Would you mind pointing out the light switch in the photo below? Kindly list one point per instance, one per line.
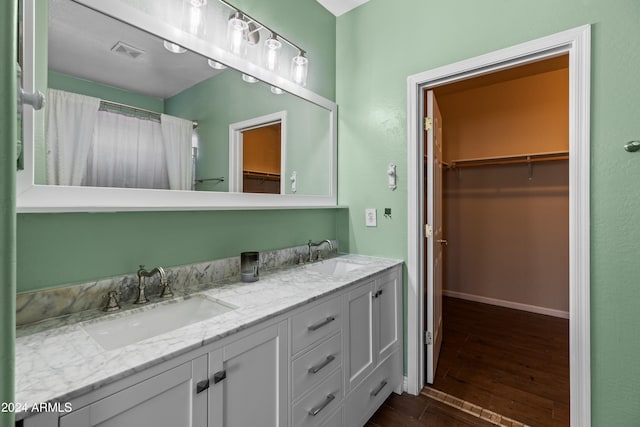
(371, 217)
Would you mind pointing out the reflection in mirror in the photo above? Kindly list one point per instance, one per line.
(123, 107)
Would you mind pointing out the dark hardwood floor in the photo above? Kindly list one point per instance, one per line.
(510, 362)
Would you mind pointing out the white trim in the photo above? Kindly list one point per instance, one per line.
(235, 147)
(577, 43)
(508, 304)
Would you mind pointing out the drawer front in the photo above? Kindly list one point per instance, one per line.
(367, 397)
(314, 408)
(316, 323)
(315, 365)
(334, 420)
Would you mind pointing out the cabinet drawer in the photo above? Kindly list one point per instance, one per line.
(368, 396)
(312, 367)
(334, 420)
(316, 323)
(313, 409)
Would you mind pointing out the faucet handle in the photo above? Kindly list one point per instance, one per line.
(113, 301)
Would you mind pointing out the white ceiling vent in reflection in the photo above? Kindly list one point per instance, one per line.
(128, 50)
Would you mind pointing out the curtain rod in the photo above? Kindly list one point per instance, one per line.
(136, 109)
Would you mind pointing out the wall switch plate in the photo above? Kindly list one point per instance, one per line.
(371, 217)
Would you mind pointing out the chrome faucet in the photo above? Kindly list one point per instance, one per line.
(142, 273)
(319, 255)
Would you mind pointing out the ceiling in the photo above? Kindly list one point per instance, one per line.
(338, 7)
(81, 43)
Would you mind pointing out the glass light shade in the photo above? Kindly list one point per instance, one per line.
(249, 79)
(237, 30)
(172, 47)
(271, 54)
(198, 3)
(299, 69)
(216, 65)
(195, 20)
(276, 90)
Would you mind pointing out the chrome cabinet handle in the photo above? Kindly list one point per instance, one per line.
(202, 386)
(219, 376)
(317, 368)
(377, 391)
(321, 324)
(377, 294)
(315, 411)
(443, 241)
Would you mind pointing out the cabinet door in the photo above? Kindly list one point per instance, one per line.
(249, 381)
(165, 400)
(387, 314)
(359, 334)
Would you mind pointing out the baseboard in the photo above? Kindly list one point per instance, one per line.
(508, 304)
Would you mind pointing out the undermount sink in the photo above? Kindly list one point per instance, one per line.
(150, 321)
(333, 267)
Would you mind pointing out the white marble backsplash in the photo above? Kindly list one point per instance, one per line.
(184, 279)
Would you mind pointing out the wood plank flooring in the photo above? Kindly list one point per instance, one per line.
(511, 362)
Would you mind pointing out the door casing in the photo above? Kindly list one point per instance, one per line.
(576, 43)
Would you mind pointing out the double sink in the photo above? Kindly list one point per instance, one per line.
(121, 329)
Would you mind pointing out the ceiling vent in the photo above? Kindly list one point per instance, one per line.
(128, 50)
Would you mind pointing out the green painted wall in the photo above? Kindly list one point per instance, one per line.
(383, 42)
(8, 138)
(225, 99)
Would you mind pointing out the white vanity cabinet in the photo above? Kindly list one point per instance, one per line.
(167, 399)
(248, 380)
(373, 336)
(326, 363)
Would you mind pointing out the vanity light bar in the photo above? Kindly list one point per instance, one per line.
(261, 25)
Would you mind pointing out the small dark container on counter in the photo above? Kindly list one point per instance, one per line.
(249, 266)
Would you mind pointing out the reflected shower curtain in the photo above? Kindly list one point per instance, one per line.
(70, 127)
(127, 152)
(176, 136)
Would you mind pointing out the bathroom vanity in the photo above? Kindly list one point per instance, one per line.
(313, 345)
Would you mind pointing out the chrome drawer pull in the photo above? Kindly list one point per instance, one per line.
(316, 369)
(315, 411)
(321, 324)
(377, 391)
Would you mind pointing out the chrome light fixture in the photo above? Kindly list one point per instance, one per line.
(172, 47)
(237, 33)
(299, 69)
(276, 90)
(271, 53)
(216, 65)
(249, 79)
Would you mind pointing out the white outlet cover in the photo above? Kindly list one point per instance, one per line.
(371, 217)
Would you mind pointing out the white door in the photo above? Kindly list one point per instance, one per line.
(433, 244)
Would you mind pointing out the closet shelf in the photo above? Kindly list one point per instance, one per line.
(507, 160)
(261, 175)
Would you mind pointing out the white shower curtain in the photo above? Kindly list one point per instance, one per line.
(176, 136)
(70, 126)
(127, 152)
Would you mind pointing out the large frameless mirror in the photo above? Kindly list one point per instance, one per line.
(148, 113)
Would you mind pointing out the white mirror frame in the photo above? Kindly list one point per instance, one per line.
(32, 197)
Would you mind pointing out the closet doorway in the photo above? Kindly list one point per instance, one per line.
(575, 43)
(496, 151)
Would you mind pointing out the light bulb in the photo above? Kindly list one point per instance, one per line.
(237, 35)
(249, 79)
(271, 53)
(198, 3)
(216, 65)
(172, 47)
(276, 90)
(299, 69)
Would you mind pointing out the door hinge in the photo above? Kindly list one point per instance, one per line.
(427, 337)
(428, 231)
(428, 123)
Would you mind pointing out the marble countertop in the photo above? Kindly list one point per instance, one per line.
(63, 362)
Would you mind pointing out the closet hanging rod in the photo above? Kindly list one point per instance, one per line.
(155, 114)
(505, 160)
(200, 181)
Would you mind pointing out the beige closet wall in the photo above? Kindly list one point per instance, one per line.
(508, 235)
